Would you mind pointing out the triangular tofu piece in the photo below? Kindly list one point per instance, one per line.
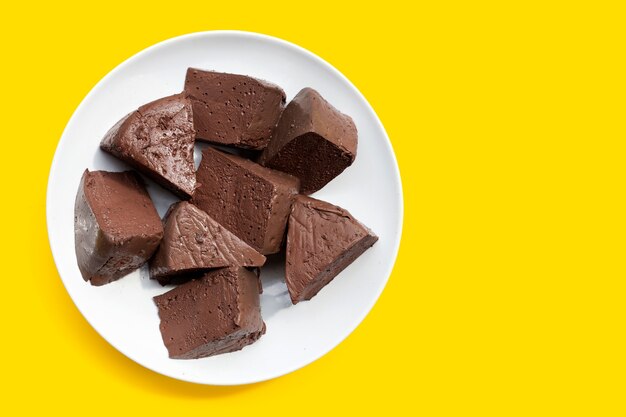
(193, 242)
(157, 139)
(322, 240)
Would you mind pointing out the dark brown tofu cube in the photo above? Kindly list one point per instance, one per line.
(233, 109)
(116, 227)
(215, 314)
(251, 201)
(313, 141)
(157, 139)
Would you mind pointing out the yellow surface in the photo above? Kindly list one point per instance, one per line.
(508, 294)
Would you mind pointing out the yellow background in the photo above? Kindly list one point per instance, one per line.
(507, 119)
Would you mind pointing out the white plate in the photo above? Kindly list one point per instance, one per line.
(123, 312)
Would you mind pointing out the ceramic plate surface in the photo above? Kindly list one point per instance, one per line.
(123, 312)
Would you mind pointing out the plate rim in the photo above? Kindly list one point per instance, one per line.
(249, 35)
